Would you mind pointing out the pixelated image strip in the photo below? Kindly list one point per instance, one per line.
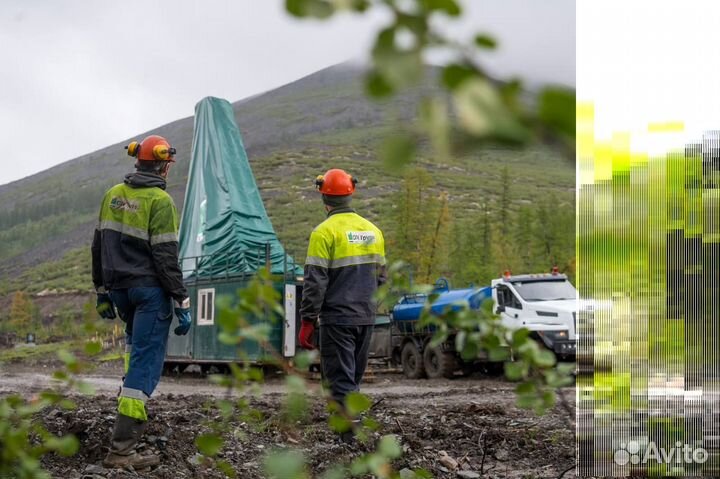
(648, 253)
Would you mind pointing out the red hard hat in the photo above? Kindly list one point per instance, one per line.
(152, 148)
(336, 182)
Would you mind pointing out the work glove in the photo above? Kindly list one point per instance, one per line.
(306, 331)
(182, 312)
(105, 306)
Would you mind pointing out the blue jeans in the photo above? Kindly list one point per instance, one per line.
(147, 313)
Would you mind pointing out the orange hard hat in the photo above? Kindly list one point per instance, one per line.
(152, 148)
(336, 182)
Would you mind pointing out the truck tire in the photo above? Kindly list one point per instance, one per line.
(439, 363)
(412, 361)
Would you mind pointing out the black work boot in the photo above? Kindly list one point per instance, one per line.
(348, 437)
(125, 438)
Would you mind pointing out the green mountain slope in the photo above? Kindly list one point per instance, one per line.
(292, 134)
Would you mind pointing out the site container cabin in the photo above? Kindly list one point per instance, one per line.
(211, 282)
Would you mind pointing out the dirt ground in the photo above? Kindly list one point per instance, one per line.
(473, 420)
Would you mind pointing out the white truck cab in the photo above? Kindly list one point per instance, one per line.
(546, 304)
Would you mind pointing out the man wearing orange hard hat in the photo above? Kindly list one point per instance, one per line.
(136, 271)
(344, 266)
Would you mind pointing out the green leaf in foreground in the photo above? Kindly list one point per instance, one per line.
(389, 447)
(557, 109)
(449, 7)
(397, 151)
(357, 403)
(209, 444)
(285, 465)
(65, 445)
(483, 113)
(515, 370)
(93, 348)
(485, 41)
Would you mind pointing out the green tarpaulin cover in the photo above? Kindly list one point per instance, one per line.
(224, 228)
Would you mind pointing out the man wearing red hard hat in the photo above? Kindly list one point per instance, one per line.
(344, 266)
(135, 270)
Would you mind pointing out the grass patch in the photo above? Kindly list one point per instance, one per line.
(111, 356)
(25, 353)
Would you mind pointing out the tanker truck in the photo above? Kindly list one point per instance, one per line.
(546, 304)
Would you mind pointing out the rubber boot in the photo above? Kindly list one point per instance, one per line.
(125, 438)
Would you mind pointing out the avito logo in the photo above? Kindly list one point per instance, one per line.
(681, 453)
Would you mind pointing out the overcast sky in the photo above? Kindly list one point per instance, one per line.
(78, 75)
(659, 65)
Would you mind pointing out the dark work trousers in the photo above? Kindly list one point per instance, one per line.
(147, 313)
(344, 355)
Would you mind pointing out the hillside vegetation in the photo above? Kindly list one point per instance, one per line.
(522, 201)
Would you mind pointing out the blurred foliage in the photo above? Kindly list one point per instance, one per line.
(23, 437)
(484, 108)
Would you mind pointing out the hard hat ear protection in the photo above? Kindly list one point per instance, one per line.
(159, 152)
(133, 149)
(320, 180)
(162, 152)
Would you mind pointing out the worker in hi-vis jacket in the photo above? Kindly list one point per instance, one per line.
(135, 269)
(345, 264)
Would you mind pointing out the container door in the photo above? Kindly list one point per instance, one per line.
(180, 347)
(290, 329)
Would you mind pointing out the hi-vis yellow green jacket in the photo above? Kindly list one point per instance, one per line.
(344, 266)
(136, 242)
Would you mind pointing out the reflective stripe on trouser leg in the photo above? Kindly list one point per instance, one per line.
(128, 350)
(131, 403)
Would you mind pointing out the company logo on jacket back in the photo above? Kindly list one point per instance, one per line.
(361, 237)
(118, 203)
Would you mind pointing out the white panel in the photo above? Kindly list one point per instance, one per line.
(289, 334)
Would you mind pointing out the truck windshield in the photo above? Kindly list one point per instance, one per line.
(546, 290)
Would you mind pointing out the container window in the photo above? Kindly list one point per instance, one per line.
(206, 307)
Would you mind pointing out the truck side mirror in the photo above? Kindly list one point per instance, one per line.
(499, 309)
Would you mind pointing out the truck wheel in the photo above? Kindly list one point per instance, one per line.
(412, 361)
(439, 363)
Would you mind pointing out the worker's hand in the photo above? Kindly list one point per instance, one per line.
(306, 331)
(182, 311)
(105, 306)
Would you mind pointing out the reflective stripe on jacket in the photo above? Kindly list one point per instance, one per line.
(345, 264)
(136, 240)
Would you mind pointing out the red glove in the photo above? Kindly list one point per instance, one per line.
(306, 331)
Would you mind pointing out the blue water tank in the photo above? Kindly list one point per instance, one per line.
(410, 306)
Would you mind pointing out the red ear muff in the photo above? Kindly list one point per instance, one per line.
(133, 149)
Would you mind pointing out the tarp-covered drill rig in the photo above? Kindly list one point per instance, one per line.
(225, 238)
